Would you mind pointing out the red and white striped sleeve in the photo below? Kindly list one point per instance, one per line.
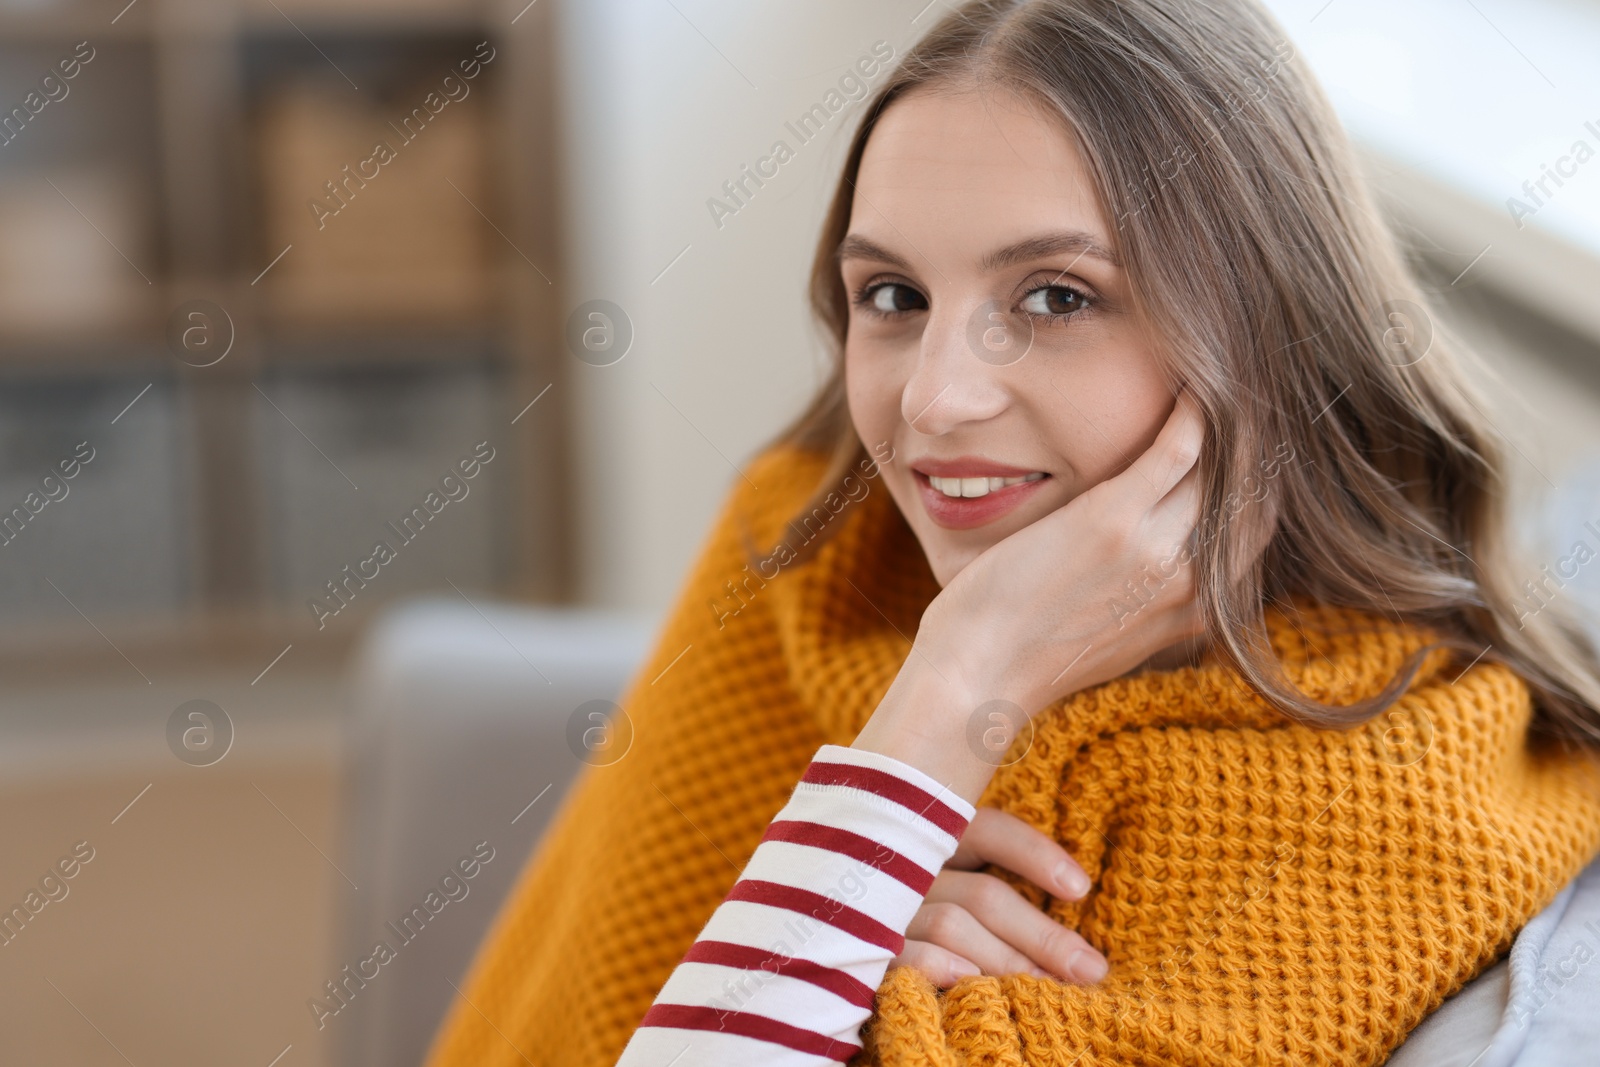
(785, 971)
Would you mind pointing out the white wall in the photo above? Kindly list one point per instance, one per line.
(656, 120)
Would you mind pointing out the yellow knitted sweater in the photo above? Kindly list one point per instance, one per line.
(1266, 893)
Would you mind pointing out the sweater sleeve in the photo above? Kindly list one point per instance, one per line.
(784, 972)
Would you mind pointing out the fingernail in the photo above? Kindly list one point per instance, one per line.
(965, 969)
(1087, 965)
(1072, 881)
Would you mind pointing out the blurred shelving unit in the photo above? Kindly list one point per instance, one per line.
(374, 340)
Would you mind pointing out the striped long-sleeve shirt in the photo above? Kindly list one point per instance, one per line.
(785, 970)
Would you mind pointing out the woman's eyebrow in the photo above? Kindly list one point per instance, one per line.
(1049, 244)
(855, 246)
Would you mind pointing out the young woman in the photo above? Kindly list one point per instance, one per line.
(1222, 737)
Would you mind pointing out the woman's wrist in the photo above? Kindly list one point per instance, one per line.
(923, 721)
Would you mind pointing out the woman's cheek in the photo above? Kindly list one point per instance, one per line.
(1116, 417)
(871, 394)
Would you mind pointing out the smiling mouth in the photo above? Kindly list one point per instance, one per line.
(964, 501)
(973, 488)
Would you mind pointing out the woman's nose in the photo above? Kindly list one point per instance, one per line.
(951, 383)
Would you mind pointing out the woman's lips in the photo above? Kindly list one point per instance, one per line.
(966, 513)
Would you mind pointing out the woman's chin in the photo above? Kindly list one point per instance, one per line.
(947, 561)
(950, 551)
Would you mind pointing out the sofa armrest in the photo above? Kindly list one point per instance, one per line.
(457, 735)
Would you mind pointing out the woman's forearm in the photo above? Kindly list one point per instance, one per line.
(786, 969)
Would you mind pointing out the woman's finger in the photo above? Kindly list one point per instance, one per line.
(1006, 915)
(1178, 513)
(953, 928)
(942, 967)
(998, 837)
(1173, 529)
(1161, 466)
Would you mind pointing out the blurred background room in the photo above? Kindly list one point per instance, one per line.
(488, 284)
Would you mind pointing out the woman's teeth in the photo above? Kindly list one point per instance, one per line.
(970, 487)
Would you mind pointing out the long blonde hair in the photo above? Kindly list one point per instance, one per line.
(1255, 253)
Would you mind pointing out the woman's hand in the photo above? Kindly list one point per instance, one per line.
(1013, 621)
(973, 923)
(1048, 610)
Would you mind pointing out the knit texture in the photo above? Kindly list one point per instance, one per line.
(1266, 893)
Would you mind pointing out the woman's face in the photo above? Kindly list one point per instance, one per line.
(990, 340)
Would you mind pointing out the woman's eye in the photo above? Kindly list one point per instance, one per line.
(1054, 300)
(891, 298)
